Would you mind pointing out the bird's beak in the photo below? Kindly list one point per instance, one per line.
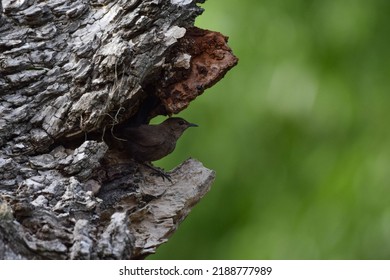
(193, 125)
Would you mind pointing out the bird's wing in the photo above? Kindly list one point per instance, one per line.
(146, 136)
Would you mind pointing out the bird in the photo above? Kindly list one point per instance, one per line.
(146, 143)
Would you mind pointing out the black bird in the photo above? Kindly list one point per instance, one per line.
(147, 143)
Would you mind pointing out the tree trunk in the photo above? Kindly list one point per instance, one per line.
(71, 71)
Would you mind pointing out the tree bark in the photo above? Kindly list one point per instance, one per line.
(70, 71)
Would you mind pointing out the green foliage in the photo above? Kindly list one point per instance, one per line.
(297, 133)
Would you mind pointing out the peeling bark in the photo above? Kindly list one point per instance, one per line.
(69, 72)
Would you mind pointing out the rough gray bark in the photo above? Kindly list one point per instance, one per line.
(69, 72)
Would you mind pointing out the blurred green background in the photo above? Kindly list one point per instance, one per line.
(298, 134)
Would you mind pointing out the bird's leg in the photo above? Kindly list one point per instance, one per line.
(158, 172)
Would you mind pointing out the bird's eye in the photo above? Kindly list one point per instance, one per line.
(181, 122)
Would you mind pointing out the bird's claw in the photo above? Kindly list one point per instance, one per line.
(158, 172)
(163, 175)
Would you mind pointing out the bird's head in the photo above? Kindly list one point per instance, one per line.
(178, 125)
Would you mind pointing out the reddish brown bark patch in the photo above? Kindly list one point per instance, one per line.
(199, 60)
